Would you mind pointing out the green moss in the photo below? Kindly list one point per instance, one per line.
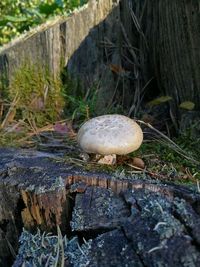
(37, 94)
(164, 160)
(10, 139)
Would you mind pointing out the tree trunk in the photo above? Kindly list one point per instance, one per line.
(174, 42)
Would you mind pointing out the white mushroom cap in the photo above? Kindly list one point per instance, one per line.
(110, 134)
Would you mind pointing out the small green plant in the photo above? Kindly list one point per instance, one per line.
(80, 104)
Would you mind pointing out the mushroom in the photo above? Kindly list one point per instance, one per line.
(110, 135)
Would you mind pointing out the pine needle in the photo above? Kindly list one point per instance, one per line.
(171, 144)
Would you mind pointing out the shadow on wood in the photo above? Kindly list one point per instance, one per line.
(42, 190)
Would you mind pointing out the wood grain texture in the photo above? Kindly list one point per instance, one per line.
(38, 189)
(174, 40)
(53, 43)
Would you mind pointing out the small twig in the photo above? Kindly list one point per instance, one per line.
(137, 25)
(198, 186)
(11, 112)
(115, 91)
(143, 9)
(158, 224)
(49, 127)
(60, 241)
(152, 174)
(1, 109)
(12, 251)
(147, 83)
(132, 52)
(154, 249)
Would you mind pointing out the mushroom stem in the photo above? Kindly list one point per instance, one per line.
(108, 159)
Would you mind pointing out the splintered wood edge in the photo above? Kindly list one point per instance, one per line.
(46, 209)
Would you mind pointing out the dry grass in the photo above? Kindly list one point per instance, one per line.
(165, 140)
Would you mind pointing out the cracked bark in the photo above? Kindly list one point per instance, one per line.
(37, 189)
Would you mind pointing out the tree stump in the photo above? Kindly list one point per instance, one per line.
(172, 31)
(42, 190)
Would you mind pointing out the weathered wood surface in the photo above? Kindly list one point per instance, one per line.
(144, 228)
(91, 46)
(37, 190)
(137, 227)
(55, 42)
(77, 43)
(172, 31)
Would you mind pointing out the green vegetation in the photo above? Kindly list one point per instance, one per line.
(31, 101)
(165, 161)
(35, 101)
(36, 94)
(79, 103)
(19, 16)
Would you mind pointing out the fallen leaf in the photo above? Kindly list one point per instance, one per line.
(159, 100)
(147, 118)
(61, 128)
(188, 105)
(116, 68)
